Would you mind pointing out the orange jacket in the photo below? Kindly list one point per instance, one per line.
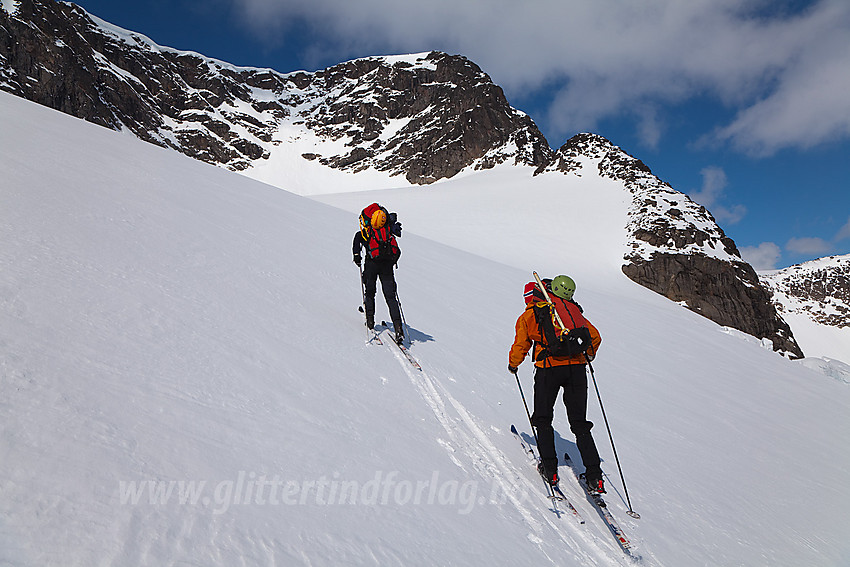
(528, 333)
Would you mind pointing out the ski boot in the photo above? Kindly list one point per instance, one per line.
(399, 332)
(550, 476)
(595, 485)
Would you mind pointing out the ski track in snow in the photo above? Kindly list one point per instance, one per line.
(542, 516)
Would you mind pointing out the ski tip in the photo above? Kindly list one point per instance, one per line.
(513, 429)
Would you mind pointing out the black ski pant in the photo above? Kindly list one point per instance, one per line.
(547, 383)
(373, 270)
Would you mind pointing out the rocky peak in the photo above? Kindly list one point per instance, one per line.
(676, 247)
(425, 116)
(819, 289)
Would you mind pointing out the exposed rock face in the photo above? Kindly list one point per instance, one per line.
(425, 117)
(445, 114)
(819, 289)
(727, 293)
(678, 250)
(55, 55)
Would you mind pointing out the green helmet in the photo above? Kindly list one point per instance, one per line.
(563, 287)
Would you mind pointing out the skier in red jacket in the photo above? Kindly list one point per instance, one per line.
(377, 235)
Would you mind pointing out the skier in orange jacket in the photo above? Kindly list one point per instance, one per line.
(560, 358)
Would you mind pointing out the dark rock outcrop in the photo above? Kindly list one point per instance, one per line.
(727, 293)
(56, 55)
(450, 114)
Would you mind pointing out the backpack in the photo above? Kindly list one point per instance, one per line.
(574, 339)
(380, 242)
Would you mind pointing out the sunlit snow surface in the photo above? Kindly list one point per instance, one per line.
(166, 324)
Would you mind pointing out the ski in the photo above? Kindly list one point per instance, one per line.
(555, 494)
(404, 350)
(602, 507)
(374, 337)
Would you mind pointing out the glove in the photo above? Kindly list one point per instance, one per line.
(357, 259)
(512, 369)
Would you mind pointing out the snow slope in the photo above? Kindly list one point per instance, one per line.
(168, 325)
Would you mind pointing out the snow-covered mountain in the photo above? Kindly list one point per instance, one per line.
(185, 379)
(814, 298)
(421, 117)
(373, 123)
(676, 248)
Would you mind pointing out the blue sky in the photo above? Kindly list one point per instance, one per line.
(742, 104)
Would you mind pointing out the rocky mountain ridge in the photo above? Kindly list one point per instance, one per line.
(677, 249)
(421, 117)
(820, 289)
(424, 117)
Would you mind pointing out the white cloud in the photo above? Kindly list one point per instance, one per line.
(649, 127)
(729, 215)
(844, 232)
(808, 245)
(765, 256)
(714, 181)
(786, 69)
(714, 184)
(809, 106)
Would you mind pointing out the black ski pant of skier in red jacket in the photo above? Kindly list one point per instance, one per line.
(372, 270)
(547, 383)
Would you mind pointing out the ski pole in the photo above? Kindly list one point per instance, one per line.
(630, 511)
(403, 320)
(549, 489)
(363, 294)
(362, 289)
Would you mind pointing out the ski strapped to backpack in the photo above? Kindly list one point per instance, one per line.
(562, 324)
